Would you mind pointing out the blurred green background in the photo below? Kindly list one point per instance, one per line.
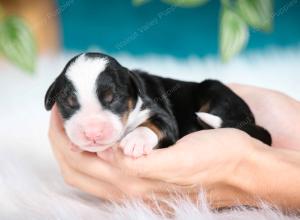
(119, 26)
(141, 27)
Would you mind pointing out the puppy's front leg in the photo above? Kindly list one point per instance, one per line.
(139, 141)
(157, 132)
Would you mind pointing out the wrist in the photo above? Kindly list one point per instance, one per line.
(246, 176)
(244, 164)
(268, 174)
(275, 176)
(237, 183)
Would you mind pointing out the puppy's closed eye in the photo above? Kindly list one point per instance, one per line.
(108, 95)
(71, 101)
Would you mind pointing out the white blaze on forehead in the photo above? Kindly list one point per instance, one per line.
(83, 74)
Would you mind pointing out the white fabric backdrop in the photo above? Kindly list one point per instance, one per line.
(30, 184)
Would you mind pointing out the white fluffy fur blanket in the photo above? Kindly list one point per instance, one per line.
(30, 183)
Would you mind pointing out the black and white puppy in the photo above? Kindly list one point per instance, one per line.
(103, 103)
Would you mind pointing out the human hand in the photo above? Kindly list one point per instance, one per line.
(273, 110)
(213, 159)
(200, 158)
(203, 158)
(232, 168)
(89, 173)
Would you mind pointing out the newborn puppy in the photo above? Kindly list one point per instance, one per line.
(103, 103)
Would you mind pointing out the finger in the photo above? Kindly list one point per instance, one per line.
(83, 162)
(129, 186)
(132, 186)
(56, 133)
(157, 165)
(84, 182)
(94, 167)
(106, 155)
(56, 121)
(91, 185)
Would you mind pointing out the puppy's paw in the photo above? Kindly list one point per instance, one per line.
(138, 142)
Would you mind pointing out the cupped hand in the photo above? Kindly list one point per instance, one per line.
(93, 175)
(202, 159)
(210, 159)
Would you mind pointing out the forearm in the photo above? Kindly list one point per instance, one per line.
(272, 175)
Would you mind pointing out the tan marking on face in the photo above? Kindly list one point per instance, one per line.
(126, 114)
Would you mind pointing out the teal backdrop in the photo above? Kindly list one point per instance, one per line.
(158, 28)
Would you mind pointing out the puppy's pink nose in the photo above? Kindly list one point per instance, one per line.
(93, 134)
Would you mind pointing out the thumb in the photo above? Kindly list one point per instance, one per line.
(159, 164)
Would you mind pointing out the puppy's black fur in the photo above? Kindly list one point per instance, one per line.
(172, 103)
(175, 102)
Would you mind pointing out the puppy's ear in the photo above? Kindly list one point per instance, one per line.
(52, 94)
(136, 82)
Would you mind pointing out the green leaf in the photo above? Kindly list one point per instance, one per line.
(17, 43)
(257, 13)
(139, 2)
(233, 34)
(1, 12)
(186, 3)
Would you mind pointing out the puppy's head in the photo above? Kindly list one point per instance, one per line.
(95, 96)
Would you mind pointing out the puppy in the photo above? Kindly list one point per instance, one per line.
(103, 103)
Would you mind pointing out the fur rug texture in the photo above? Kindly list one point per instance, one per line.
(30, 183)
